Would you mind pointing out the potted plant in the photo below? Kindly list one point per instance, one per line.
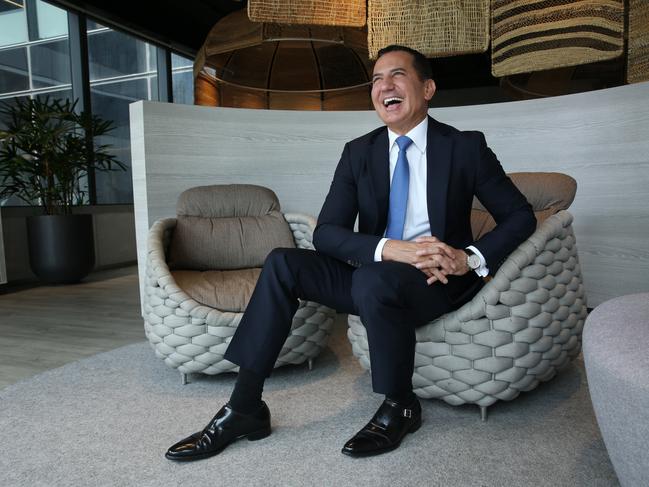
(46, 151)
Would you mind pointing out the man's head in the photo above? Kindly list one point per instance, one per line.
(402, 86)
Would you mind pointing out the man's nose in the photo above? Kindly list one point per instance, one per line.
(386, 83)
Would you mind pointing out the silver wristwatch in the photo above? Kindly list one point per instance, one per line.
(472, 259)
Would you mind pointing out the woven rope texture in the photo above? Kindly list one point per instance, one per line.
(638, 55)
(533, 36)
(522, 326)
(436, 29)
(348, 13)
(192, 337)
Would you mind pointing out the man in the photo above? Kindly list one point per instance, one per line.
(411, 184)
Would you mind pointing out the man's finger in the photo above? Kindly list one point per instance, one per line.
(438, 261)
(426, 239)
(437, 276)
(437, 248)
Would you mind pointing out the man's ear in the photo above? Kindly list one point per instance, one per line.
(429, 89)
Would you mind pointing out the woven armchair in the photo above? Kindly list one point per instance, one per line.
(521, 327)
(183, 286)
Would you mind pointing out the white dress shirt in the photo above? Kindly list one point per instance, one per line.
(417, 224)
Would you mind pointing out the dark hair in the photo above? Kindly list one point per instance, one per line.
(419, 61)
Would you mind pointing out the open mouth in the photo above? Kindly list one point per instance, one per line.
(393, 100)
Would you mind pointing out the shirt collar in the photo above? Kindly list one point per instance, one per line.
(418, 135)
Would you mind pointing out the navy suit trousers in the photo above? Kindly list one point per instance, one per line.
(391, 298)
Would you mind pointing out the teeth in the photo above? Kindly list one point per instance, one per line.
(391, 100)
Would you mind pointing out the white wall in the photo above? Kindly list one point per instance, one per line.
(601, 138)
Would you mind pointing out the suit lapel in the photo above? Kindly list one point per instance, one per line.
(379, 166)
(438, 160)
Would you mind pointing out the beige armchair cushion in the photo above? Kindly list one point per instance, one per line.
(232, 228)
(547, 192)
(223, 290)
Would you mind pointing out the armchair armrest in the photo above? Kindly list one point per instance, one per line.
(302, 227)
(158, 246)
(543, 266)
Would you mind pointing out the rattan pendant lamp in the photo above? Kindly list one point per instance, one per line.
(283, 66)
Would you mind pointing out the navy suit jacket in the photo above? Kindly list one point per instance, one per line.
(460, 166)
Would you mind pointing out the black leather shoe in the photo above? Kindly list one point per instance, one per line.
(386, 429)
(224, 428)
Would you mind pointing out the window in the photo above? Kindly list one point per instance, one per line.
(122, 70)
(13, 22)
(14, 72)
(35, 61)
(182, 72)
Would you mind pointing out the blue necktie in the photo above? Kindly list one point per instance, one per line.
(399, 192)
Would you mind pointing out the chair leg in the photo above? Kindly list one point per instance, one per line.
(184, 379)
(483, 413)
(310, 364)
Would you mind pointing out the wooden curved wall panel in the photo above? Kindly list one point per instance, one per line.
(601, 138)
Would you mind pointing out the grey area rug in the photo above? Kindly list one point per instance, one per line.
(108, 419)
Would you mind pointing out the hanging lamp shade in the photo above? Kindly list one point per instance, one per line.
(262, 65)
(548, 34)
(638, 56)
(350, 13)
(436, 29)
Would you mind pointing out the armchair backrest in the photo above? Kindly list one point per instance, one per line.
(223, 227)
(547, 192)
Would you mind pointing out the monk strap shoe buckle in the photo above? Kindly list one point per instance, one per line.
(407, 413)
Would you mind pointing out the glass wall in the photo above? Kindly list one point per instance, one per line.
(122, 70)
(34, 56)
(182, 72)
(35, 61)
(13, 23)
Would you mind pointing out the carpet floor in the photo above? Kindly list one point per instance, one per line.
(108, 419)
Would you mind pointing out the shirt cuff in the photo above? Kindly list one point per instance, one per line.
(378, 253)
(483, 270)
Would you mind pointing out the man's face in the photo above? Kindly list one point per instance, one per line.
(399, 96)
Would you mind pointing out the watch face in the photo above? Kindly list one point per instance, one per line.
(474, 261)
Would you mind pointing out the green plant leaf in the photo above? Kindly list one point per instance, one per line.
(47, 149)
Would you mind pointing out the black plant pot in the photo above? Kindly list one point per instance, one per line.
(61, 247)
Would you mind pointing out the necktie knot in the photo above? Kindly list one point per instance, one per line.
(403, 142)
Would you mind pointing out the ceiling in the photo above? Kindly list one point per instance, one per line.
(183, 27)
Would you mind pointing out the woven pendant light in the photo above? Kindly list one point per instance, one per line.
(349, 13)
(638, 56)
(261, 65)
(435, 28)
(535, 36)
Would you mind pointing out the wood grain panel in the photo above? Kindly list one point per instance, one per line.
(601, 138)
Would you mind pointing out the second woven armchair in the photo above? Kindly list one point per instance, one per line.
(521, 327)
(202, 268)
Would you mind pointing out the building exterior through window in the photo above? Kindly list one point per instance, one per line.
(38, 58)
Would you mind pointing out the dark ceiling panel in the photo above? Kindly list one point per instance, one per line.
(182, 26)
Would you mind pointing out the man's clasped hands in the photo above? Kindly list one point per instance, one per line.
(430, 255)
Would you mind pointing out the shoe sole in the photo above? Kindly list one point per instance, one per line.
(373, 453)
(254, 436)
